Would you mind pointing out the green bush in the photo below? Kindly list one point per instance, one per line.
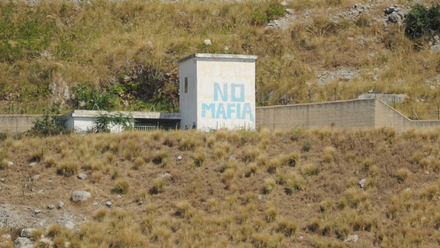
(422, 21)
(51, 123)
(273, 12)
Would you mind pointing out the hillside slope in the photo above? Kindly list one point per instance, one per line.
(129, 48)
(229, 189)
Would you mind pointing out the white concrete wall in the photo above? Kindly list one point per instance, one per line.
(188, 101)
(226, 93)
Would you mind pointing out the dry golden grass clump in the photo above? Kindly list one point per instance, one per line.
(270, 200)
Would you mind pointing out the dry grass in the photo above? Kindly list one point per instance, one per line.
(268, 202)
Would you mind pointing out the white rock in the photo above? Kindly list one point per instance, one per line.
(10, 163)
(162, 175)
(51, 207)
(33, 164)
(119, 196)
(67, 244)
(352, 238)
(260, 197)
(179, 158)
(82, 176)
(109, 203)
(40, 191)
(207, 42)
(36, 177)
(232, 157)
(23, 243)
(435, 49)
(60, 204)
(81, 195)
(69, 225)
(36, 211)
(362, 182)
(283, 3)
(27, 232)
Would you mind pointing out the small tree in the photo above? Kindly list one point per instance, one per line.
(51, 123)
(85, 92)
(106, 120)
(422, 21)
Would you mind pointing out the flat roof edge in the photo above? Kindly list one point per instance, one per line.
(218, 56)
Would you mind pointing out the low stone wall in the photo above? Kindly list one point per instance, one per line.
(17, 123)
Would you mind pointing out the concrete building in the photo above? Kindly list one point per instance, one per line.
(82, 120)
(217, 91)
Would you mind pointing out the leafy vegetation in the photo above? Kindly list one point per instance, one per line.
(51, 123)
(105, 121)
(422, 21)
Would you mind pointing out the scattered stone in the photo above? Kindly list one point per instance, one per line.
(149, 44)
(2, 180)
(226, 49)
(435, 49)
(395, 14)
(51, 207)
(60, 204)
(432, 87)
(40, 191)
(207, 42)
(33, 164)
(179, 158)
(81, 195)
(353, 13)
(361, 41)
(233, 157)
(109, 203)
(140, 203)
(36, 211)
(69, 225)
(162, 175)
(436, 40)
(427, 172)
(352, 238)
(23, 243)
(362, 182)
(344, 74)
(260, 197)
(67, 244)
(119, 196)
(387, 98)
(36, 177)
(283, 3)
(82, 176)
(27, 232)
(6, 237)
(282, 23)
(10, 163)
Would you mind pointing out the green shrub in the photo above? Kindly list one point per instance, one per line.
(422, 21)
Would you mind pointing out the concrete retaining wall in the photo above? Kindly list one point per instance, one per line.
(343, 114)
(340, 114)
(16, 123)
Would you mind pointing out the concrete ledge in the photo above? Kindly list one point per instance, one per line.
(134, 114)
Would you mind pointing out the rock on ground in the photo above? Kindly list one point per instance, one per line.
(23, 243)
(81, 195)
